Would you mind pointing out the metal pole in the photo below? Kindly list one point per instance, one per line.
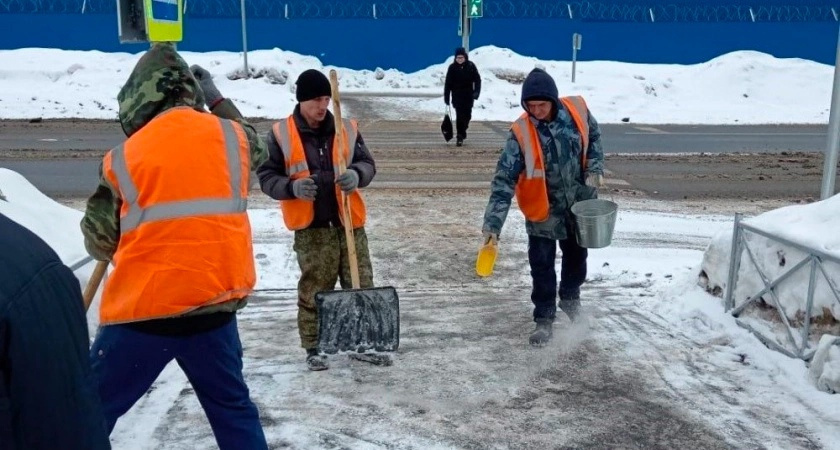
(734, 264)
(576, 41)
(244, 39)
(830, 167)
(465, 26)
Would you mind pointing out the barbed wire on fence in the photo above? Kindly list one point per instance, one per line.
(583, 10)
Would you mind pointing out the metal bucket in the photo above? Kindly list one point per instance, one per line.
(595, 220)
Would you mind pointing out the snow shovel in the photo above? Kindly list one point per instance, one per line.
(486, 258)
(356, 320)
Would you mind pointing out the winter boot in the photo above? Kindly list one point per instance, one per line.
(542, 333)
(314, 361)
(570, 306)
(459, 142)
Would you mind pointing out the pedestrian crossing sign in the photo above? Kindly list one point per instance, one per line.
(164, 20)
(150, 20)
(475, 8)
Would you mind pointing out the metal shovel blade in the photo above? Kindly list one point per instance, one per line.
(357, 320)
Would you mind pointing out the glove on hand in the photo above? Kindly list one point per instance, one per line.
(446, 101)
(595, 180)
(475, 95)
(348, 180)
(212, 96)
(304, 188)
(490, 237)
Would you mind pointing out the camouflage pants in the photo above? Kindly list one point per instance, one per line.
(322, 257)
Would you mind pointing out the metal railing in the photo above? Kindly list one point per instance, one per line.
(798, 345)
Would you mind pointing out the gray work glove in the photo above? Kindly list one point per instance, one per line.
(490, 237)
(595, 180)
(348, 180)
(304, 188)
(212, 96)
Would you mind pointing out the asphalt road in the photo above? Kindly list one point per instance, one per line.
(82, 135)
(61, 157)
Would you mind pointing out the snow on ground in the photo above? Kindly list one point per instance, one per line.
(656, 363)
(736, 88)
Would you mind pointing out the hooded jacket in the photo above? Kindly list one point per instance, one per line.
(560, 143)
(161, 80)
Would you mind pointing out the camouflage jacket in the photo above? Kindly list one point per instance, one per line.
(565, 177)
(160, 81)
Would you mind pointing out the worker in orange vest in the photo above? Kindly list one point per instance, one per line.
(552, 159)
(170, 214)
(301, 172)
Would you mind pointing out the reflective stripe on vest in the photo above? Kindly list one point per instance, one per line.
(185, 238)
(283, 130)
(531, 189)
(530, 147)
(137, 215)
(298, 214)
(580, 115)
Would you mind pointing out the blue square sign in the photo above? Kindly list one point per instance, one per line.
(165, 10)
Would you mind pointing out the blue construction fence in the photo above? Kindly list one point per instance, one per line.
(410, 35)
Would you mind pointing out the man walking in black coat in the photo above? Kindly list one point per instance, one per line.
(464, 83)
(48, 399)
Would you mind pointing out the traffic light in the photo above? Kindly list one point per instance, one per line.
(475, 8)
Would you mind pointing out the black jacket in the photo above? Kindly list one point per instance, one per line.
(48, 398)
(463, 82)
(317, 144)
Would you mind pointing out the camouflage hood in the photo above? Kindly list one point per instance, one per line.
(161, 80)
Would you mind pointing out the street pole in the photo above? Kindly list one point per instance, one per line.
(244, 39)
(465, 26)
(833, 146)
(576, 41)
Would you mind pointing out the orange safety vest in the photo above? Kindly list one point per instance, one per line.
(185, 239)
(531, 189)
(298, 214)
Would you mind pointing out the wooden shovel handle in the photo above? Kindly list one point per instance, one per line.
(342, 164)
(93, 282)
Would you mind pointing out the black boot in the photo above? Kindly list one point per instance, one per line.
(314, 361)
(542, 333)
(459, 142)
(571, 307)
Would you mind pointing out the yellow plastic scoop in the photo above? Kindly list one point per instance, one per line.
(486, 258)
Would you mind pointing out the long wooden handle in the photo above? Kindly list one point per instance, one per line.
(342, 165)
(93, 282)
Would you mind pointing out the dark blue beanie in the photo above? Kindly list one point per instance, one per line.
(539, 85)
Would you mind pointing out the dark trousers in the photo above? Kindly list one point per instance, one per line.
(463, 115)
(126, 362)
(541, 255)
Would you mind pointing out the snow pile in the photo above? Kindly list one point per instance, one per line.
(735, 88)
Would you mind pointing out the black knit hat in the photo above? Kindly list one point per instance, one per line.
(539, 85)
(461, 51)
(312, 84)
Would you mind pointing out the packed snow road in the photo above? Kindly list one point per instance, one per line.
(465, 377)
